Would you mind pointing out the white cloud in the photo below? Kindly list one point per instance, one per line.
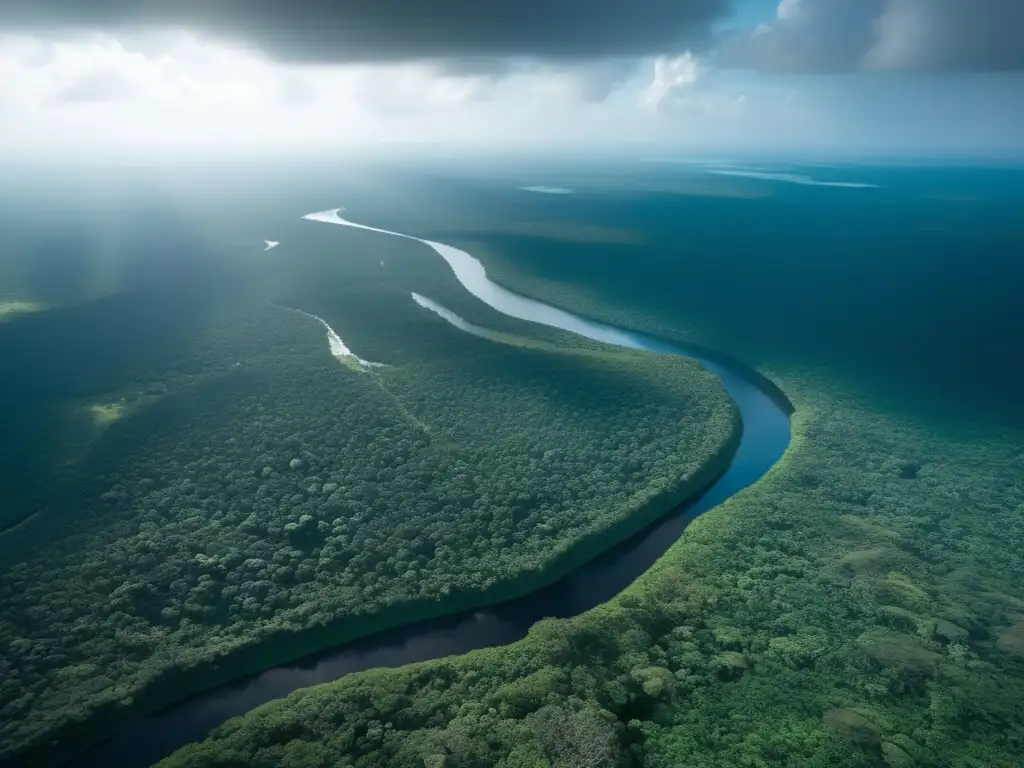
(788, 9)
(400, 90)
(160, 93)
(294, 90)
(592, 82)
(672, 76)
(174, 90)
(178, 71)
(812, 35)
(98, 86)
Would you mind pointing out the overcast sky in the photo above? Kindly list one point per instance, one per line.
(686, 76)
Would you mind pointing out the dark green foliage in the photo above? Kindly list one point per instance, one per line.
(266, 501)
(838, 614)
(753, 642)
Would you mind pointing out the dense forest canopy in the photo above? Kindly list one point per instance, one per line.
(860, 606)
(843, 612)
(236, 497)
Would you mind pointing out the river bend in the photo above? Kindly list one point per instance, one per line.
(766, 431)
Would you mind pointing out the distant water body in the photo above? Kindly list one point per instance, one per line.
(338, 347)
(454, 319)
(762, 173)
(792, 178)
(471, 273)
(766, 432)
(548, 190)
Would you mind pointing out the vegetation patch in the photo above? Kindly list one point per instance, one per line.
(831, 578)
(1011, 640)
(871, 560)
(272, 503)
(12, 307)
(858, 728)
(105, 414)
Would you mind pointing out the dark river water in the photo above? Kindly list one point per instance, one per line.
(766, 431)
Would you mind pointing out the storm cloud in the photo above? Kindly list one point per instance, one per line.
(396, 30)
(885, 35)
(949, 35)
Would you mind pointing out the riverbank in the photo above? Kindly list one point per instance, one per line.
(175, 670)
(854, 608)
(740, 381)
(277, 648)
(859, 606)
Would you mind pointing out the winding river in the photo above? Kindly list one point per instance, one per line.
(765, 413)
